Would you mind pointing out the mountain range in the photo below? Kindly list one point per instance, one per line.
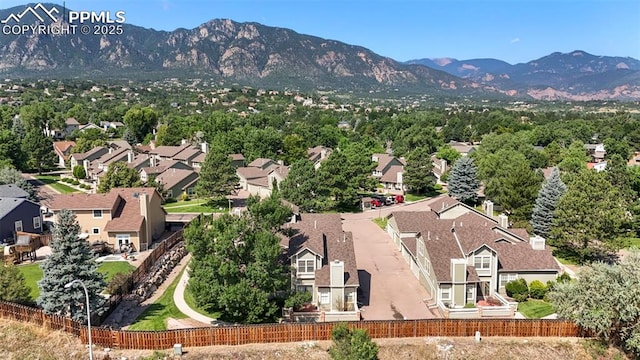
(254, 54)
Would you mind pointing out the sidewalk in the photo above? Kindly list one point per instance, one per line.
(178, 298)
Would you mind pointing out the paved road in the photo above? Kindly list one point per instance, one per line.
(389, 289)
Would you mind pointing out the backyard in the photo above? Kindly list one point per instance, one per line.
(535, 309)
(33, 273)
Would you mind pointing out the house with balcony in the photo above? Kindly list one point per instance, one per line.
(323, 261)
(463, 256)
(126, 218)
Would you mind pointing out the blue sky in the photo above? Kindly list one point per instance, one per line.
(510, 30)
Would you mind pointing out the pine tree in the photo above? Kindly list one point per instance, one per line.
(548, 196)
(463, 180)
(70, 259)
(418, 173)
(13, 286)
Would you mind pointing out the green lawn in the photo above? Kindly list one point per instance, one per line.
(535, 309)
(382, 222)
(54, 182)
(194, 206)
(413, 197)
(188, 298)
(32, 273)
(154, 318)
(111, 268)
(632, 243)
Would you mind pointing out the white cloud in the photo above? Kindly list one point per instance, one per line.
(515, 40)
(166, 5)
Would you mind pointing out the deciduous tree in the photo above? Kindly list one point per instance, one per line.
(140, 122)
(119, 175)
(70, 259)
(301, 187)
(39, 149)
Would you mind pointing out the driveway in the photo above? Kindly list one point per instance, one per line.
(389, 290)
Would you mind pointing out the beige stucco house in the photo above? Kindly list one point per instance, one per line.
(124, 216)
(323, 262)
(462, 256)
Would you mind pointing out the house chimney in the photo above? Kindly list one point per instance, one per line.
(336, 274)
(443, 166)
(152, 161)
(503, 220)
(130, 157)
(110, 150)
(537, 242)
(204, 147)
(144, 211)
(315, 224)
(488, 208)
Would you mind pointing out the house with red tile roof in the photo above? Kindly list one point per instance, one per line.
(323, 260)
(124, 217)
(462, 256)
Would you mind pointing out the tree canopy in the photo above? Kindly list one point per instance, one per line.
(119, 175)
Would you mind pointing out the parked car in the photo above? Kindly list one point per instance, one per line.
(390, 200)
(375, 202)
(399, 199)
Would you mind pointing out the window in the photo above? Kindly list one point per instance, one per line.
(304, 288)
(426, 265)
(191, 191)
(324, 297)
(36, 222)
(445, 293)
(97, 214)
(306, 266)
(95, 231)
(482, 262)
(18, 225)
(505, 278)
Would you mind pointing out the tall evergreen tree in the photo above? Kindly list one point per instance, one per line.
(13, 286)
(70, 259)
(463, 180)
(301, 185)
(418, 173)
(217, 177)
(548, 196)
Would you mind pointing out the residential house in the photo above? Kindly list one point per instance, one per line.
(462, 256)
(176, 182)
(168, 152)
(237, 160)
(155, 169)
(70, 125)
(318, 154)
(191, 154)
(389, 170)
(597, 152)
(463, 148)
(89, 126)
(89, 156)
(63, 151)
(597, 166)
(323, 260)
(138, 161)
(260, 177)
(12, 191)
(97, 168)
(124, 217)
(18, 214)
(440, 166)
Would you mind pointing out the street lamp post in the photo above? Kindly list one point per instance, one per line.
(86, 294)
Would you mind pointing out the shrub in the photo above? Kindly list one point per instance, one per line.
(185, 197)
(66, 180)
(79, 172)
(116, 283)
(469, 306)
(352, 344)
(170, 200)
(518, 290)
(297, 299)
(564, 277)
(75, 182)
(537, 289)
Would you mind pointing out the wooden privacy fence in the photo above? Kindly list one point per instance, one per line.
(277, 333)
(141, 271)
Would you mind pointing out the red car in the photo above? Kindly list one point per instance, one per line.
(399, 199)
(376, 203)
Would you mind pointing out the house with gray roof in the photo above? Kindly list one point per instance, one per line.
(463, 256)
(323, 260)
(12, 191)
(18, 214)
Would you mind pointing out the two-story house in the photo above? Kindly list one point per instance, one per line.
(17, 214)
(463, 256)
(324, 263)
(389, 170)
(261, 175)
(122, 217)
